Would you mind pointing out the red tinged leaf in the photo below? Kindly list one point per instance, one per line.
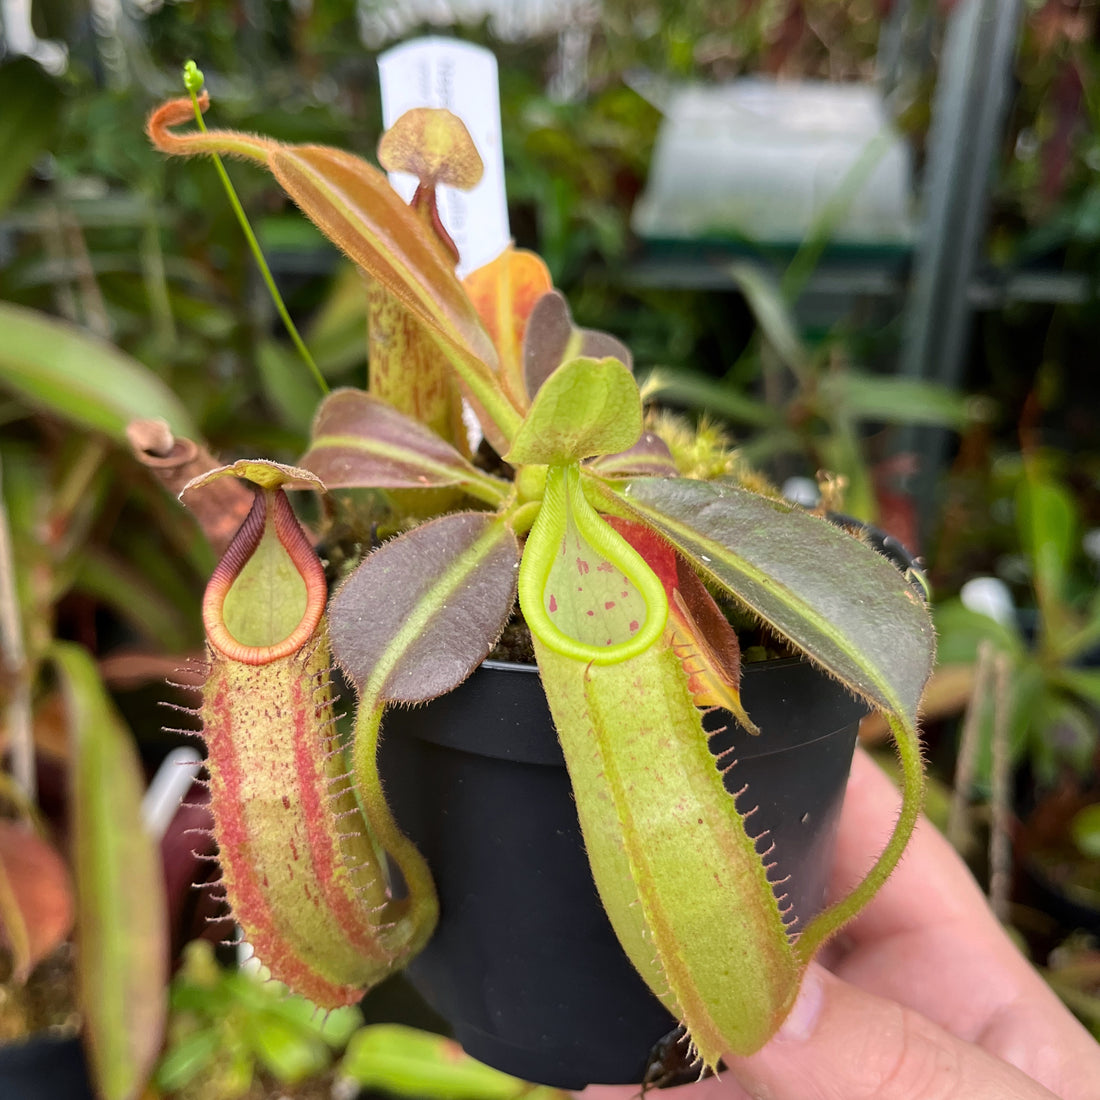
(650, 457)
(551, 339)
(352, 203)
(361, 442)
(504, 292)
(434, 145)
(698, 632)
(423, 610)
(36, 897)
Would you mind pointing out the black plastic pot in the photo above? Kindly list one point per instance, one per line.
(524, 965)
(45, 1068)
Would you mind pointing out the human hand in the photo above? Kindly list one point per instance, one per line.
(924, 998)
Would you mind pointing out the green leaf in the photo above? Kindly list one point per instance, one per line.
(122, 924)
(187, 1057)
(401, 1060)
(893, 400)
(1083, 682)
(361, 442)
(961, 631)
(846, 607)
(289, 1052)
(32, 109)
(774, 316)
(1085, 830)
(697, 392)
(423, 610)
(66, 371)
(1047, 522)
(586, 407)
(287, 384)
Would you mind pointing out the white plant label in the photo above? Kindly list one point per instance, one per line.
(442, 72)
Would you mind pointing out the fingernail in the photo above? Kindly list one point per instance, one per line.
(802, 1019)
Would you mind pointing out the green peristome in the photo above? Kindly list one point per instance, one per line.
(678, 874)
(586, 407)
(584, 590)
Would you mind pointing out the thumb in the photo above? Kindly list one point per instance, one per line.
(841, 1043)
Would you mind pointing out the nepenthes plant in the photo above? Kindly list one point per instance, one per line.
(581, 516)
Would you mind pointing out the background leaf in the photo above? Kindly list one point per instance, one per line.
(122, 930)
(66, 371)
(36, 897)
(28, 123)
(894, 400)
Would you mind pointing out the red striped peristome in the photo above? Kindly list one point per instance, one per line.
(301, 872)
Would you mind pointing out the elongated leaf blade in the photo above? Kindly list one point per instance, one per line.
(773, 315)
(695, 391)
(837, 600)
(424, 610)
(65, 371)
(894, 400)
(355, 207)
(122, 926)
(359, 440)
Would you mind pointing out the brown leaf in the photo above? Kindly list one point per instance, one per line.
(36, 897)
(551, 338)
(360, 441)
(434, 145)
(424, 610)
(176, 462)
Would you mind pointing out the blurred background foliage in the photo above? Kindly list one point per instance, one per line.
(145, 259)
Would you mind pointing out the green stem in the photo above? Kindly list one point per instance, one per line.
(836, 916)
(417, 912)
(254, 245)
